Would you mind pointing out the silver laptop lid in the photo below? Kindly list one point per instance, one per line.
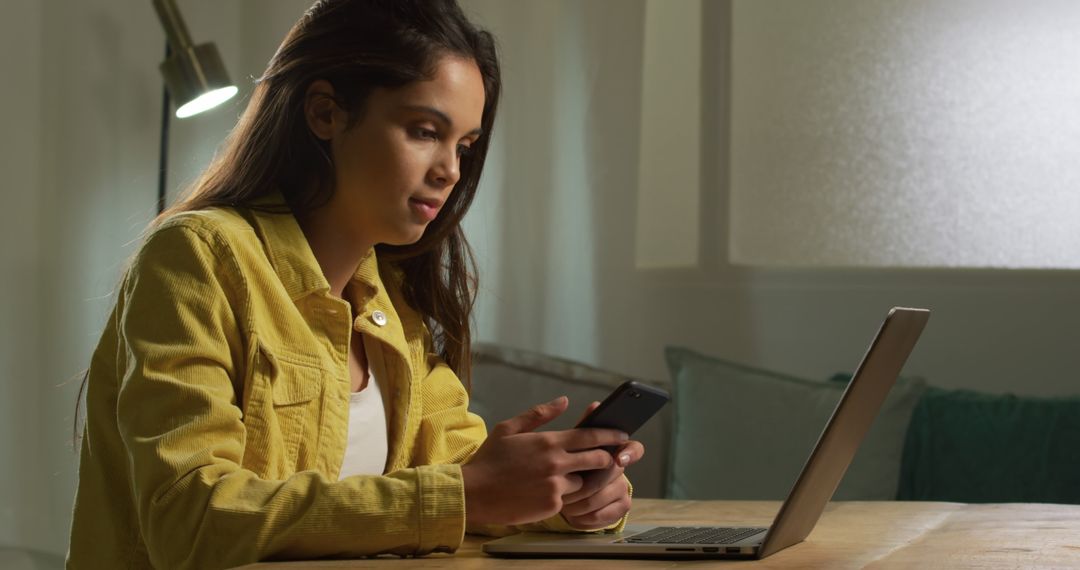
(846, 428)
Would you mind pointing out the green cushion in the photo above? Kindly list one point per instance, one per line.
(982, 448)
(745, 433)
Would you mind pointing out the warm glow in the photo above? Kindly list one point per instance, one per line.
(905, 134)
(206, 101)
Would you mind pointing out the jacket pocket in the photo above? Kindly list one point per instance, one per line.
(295, 383)
(281, 413)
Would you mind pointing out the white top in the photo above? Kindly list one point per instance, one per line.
(365, 451)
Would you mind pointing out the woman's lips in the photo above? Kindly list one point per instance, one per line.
(426, 209)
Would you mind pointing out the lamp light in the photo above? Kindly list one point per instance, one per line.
(194, 74)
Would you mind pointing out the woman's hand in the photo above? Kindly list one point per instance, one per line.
(518, 476)
(604, 496)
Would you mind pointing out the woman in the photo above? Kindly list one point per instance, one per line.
(280, 375)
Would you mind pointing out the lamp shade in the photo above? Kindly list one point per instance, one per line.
(194, 74)
(197, 79)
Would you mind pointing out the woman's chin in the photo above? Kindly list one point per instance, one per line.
(406, 238)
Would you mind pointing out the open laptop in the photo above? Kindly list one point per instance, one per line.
(801, 510)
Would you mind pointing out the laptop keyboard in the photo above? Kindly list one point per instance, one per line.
(693, 535)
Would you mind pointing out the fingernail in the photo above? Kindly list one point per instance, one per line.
(557, 401)
(624, 459)
(624, 436)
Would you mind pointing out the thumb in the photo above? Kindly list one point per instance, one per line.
(533, 418)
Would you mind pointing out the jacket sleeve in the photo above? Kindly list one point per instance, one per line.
(451, 433)
(185, 439)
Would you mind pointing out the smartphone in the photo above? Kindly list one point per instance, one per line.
(626, 409)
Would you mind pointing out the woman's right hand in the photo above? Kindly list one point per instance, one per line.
(518, 476)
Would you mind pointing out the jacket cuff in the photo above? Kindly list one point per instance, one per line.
(441, 508)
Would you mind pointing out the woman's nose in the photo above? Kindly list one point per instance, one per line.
(447, 168)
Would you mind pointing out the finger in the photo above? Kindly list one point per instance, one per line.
(574, 482)
(588, 410)
(587, 460)
(609, 494)
(589, 438)
(630, 453)
(594, 481)
(602, 517)
(533, 418)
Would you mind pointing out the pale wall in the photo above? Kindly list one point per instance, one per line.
(554, 227)
(81, 108)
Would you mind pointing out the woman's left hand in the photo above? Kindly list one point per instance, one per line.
(605, 496)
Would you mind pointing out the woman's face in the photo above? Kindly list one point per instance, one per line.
(396, 166)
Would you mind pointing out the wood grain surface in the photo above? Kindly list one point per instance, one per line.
(849, 535)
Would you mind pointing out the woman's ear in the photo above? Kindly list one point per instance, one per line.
(324, 117)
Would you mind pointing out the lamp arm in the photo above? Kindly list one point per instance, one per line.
(163, 144)
(173, 22)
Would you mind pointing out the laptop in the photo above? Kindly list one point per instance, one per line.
(801, 510)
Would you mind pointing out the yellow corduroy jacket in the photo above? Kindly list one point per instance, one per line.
(217, 410)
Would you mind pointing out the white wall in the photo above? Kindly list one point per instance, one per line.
(82, 149)
(81, 107)
(910, 134)
(19, 335)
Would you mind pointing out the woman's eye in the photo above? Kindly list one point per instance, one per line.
(428, 134)
(464, 150)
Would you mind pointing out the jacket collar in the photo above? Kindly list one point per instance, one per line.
(291, 255)
(299, 271)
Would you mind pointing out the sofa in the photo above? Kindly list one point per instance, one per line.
(743, 433)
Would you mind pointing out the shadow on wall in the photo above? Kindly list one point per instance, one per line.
(534, 214)
(554, 223)
(638, 313)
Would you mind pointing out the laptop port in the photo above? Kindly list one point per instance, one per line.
(710, 549)
(679, 549)
(733, 550)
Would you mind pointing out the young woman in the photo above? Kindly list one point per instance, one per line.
(280, 375)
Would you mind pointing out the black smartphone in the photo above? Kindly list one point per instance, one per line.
(626, 409)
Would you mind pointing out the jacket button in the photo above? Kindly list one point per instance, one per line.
(379, 317)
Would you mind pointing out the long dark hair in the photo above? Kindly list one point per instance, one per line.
(358, 46)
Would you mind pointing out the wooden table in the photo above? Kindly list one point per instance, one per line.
(849, 535)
